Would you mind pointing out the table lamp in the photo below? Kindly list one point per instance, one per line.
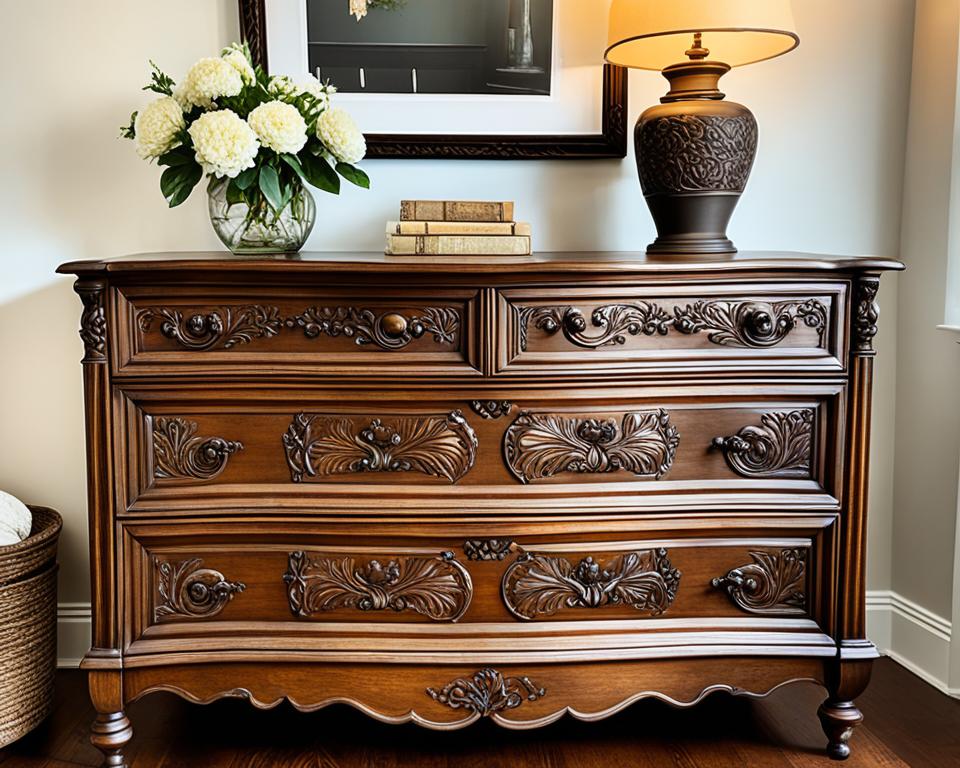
(695, 151)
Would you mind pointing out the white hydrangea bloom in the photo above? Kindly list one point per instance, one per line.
(279, 126)
(238, 60)
(282, 87)
(225, 145)
(180, 96)
(157, 126)
(340, 135)
(320, 91)
(209, 79)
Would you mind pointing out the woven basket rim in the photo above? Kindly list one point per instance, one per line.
(50, 523)
(52, 566)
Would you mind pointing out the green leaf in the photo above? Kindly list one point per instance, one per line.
(270, 186)
(234, 194)
(246, 178)
(177, 182)
(159, 82)
(292, 161)
(129, 131)
(319, 173)
(353, 175)
(178, 156)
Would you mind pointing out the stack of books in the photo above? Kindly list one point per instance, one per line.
(457, 228)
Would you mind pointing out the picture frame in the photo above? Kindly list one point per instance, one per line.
(610, 142)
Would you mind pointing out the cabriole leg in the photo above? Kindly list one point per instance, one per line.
(111, 729)
(838, 714)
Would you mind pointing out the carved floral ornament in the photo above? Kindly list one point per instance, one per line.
(180, 454)
(319, 445)
(540, 446)
(227, 327)
(748, 324)
(867, 315)
(186, 590)
(782, 446)
(774, 583)
(487, 693)
(93, 321)
(439, 588)
(487, 549)
(537, 585)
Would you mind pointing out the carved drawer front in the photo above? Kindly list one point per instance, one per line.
(355, 586)
(379, 330)
(665, 450)
(711, 327)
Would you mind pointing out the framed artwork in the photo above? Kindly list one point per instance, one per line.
(487, 79)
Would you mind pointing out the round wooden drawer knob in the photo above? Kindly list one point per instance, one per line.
(393, 325)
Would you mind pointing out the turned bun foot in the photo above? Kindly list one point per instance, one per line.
(110, 733)
(838, 719)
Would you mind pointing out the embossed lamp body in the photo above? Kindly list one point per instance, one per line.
(695, 152)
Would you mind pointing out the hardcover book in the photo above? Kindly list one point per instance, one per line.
(454, 210)
(458, 228)
(455, 245)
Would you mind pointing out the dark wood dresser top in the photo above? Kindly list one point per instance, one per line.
(571, 262)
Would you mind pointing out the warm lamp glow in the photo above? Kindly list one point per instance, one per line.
(653, 34)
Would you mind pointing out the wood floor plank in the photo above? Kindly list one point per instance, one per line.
(908, 724)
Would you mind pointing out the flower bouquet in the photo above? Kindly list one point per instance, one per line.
(258, 139)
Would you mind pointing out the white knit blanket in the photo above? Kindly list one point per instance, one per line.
(15, 520)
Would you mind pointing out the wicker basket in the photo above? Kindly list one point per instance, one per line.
(28, 626)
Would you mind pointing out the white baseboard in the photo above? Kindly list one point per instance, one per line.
(912, 636)
(906, 632)
(73, 633)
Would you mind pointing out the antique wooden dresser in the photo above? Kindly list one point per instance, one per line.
(448, 490)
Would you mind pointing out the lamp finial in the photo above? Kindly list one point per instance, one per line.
(698, 52)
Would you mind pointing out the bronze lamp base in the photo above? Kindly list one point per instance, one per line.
(695, 152)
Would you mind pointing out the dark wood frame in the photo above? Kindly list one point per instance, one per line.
(610, 143)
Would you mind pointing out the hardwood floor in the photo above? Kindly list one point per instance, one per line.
(908, 723)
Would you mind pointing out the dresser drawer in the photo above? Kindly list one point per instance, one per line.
(709, 326)
(330, 330)
(311, 584)
(729, 447)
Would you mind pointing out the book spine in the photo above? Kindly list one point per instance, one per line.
(458, 245)
(457, 228)
(454, 210)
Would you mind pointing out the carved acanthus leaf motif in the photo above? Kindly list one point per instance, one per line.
(487, 693)
(389, 331)
(615, 322)
(868, 314)
(487, 549)
(696, 153)
(223, 327)
(538, 446)
(752, 324)
(775, 583)
(491, 409)
(178, 454)
(320, 445)
(93, 321)
(535, 585)
(188, 591)
(436, 587)
(781, 447)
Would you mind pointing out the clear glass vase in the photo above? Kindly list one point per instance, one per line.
(246, 229)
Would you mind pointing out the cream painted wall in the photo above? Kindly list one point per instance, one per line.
(928, 376)
(828, 179)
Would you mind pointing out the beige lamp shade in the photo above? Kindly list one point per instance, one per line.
(653, 34)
